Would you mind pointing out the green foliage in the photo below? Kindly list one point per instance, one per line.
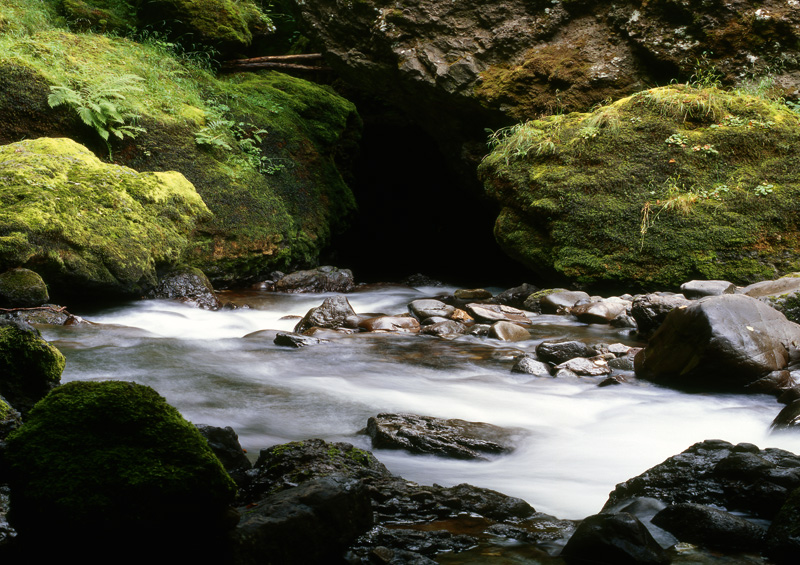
(102, 106)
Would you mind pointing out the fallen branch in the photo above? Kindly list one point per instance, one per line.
(58, 310)
(271, 65)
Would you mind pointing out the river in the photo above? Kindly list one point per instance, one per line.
(577, 442)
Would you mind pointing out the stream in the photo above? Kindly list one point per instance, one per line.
(577, 440)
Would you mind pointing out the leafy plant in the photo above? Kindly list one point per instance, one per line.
(102, 106)
(677, 140)
(763, 189)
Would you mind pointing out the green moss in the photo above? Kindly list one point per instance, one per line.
(112, 456)
(683, 183)
(22, 287)
(29, 366)
(88, 223)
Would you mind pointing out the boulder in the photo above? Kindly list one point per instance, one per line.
(613, 539)
(593, 367)
(514, 297)
(321, 279)
(429, 308)
(710, 527)
(783, 535)
(725, 342)
(448, 437)
(404, 324)
(106, 237)
(698, 289)
(30, 367)
(333, 313)
(491, 313)
(557, 352)
(290, 339)
(115, 459)
(188, 285)
(444, 328)
(650, 310)
(599, 312)
(22, 288)
(557, 301)
(788, 417)
(225, 444)
(472, 294)
(10, 420)
(509, 331)
(531, 366)
(781, 294)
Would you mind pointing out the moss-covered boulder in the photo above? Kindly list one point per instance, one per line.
(114, 459)
(22, 288)
(89, 225)
(671, 184)
(29, 366)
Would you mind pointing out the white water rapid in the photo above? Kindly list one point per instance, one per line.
(579, 440)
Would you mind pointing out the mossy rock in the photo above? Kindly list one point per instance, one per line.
(114, 459)
(21, 288)
(30, 367)
(671, 184)
(87, 225)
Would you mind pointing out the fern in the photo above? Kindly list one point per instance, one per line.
(102, 106)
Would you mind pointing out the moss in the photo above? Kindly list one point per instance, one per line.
(114, 458)
(684, 183)
(22, 287)
(87, 223)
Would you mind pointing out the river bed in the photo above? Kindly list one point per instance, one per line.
(577, 440)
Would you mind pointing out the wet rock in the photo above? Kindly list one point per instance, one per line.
(601, 312)
(47, 314)
(326, 334)
(710, 527)
(736, 478)
(593, 367)
(472, 294)
(514, 297)
(321, 279)
(334, 312)
(30, 367)
(332, 511)
(490, 313)
(407, 546)
(613, 539)
(22, 288)
(402, 324)
(698, 289)
(781, 294)
(10, 420)
(444, 328)
(429, 308)
(295, 340)
(613, 380)
(189, 285)
(783, 535)
(559, 301)
(224, 442)
(720, 343)
(508, 331)
(621, 363)
(788, 417)
(650, 310)
(531, 366)
(557, 352)
(451, 438)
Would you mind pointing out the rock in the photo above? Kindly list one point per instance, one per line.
(189, 285)
(559, 301)
(321, 279)
(429, 308)
(602, 312)
(30, 367)
(48, 314)
(698, 289)
(736, 478)
(612, 380)
(295, 340)
(783, 535)
(334, 312)
(150, 215)
(514, 297)
(10, 420)
(419, 280)
(723, 342)
(491, 313)
(594, 367)
(444, 328)
(144, 476)
(225, 444)
(332, 511)
(405, 324)
(531, 366)
(788, 417)
(613, 539)
(557, 352)
(710, 527)
(472, 294)
(509, 331)
(781, 294)
(22, 288)
(650, 310)
(450, 438)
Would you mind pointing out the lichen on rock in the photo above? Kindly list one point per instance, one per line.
(89, 225)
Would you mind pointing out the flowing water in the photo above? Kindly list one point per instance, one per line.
(577, 440)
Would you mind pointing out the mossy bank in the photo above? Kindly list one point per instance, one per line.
(265, 151)
(667, 185)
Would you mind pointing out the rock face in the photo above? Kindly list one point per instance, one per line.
(643, 191)
(144, 473)
(448, 437)
(29, 366)
(726, 342)
(87, 225)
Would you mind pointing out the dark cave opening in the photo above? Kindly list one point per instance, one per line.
(417, 214)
